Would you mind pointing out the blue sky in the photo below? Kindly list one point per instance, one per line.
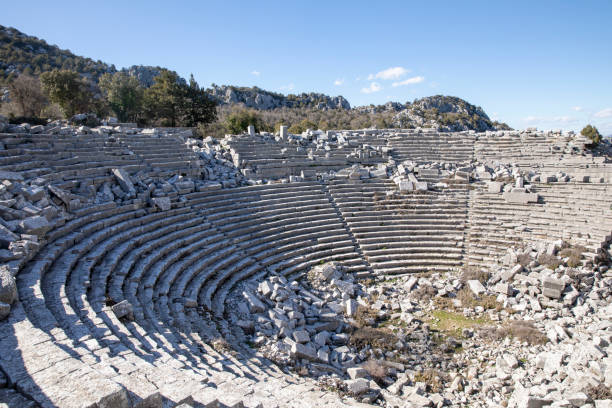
(528, 63)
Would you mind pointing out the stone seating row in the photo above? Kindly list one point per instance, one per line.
(403, 233)
(157, 260)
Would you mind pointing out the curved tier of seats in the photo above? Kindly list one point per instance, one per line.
(404, 232)
(430, 146)
(173, 267)
(578, 213)
(64, 160)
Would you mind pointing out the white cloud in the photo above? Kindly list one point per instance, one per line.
(374, 87)
(605, 113)
(339, 82)
(563, 119)
(287, 87)
(256, 73)
(389, 73)
(409, 81)
(577, 108)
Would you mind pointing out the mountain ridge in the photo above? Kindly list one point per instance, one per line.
(24, 54)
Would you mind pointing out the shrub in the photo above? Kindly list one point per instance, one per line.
(473, 273)
(524, 331)
(524, 260)
(550, 261)
(375, 368)
(238, 122)
(592, 134)
(376, 338)
(432, 378)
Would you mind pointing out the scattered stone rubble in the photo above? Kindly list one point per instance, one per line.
(535, 332)
(310, 326)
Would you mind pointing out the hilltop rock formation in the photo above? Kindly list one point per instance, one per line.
(261, 99)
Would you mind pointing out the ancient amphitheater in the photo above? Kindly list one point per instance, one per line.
(144, 268)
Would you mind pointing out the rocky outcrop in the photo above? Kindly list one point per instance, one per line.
(261, 99)
(445, 113)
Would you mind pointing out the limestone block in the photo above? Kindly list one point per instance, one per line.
(552, 288)
(520, 197)
(255, 305)
(356, 372)
(124, 180)
(8, 288)
(421, 186)
(405, 185)
(163, 203)
(301, 336)
(305, 351)
(6, 237)
(358, 386)
(37, 225)
(476, 287)
(123, 309)
(495, 187)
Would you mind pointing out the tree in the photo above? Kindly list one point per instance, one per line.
(238, 122)
(68, 90)
(592, 134)
(124, 95)
(162, 99)
(195, 107)
(174, 103)
(28, 96)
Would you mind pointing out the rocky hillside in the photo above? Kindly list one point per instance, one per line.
(261, 99)
(21, 53)
(446, 113)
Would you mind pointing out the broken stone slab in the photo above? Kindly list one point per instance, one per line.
(552, 288)
(351, 307)
(305, 351)
(8, 288)
(124, 180)
(163, 203)
(509, 275)
(301, 336)
(255, 305)
(61, 194)
(7, 237)
(476, 287)
(37, 225)
(495, 187)
(357, 386)
(356, 372)
(123, 309)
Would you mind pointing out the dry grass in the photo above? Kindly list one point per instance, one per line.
(365, 317)
(221, 345)
(377, 369)
(473, 273)
(524, 260)
(550, 261)
(374, 337)
(433, 378)
(524, 331)
(469, 299)
(453, 323)
(424, 293)
(601, 392)
(574, 254)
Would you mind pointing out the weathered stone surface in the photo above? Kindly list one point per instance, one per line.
(476, 287)
(123, 309)
(37, 225)
(124, 180)
(357, 386)
(306, 351)
(163, 203)
(8, 288)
